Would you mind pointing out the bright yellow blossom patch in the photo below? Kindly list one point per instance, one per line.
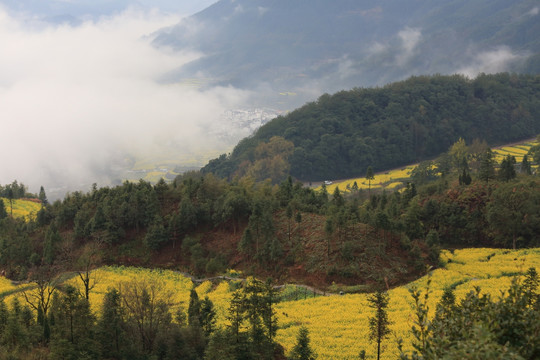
(22, 208)
(338, 325)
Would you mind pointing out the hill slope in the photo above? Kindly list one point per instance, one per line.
(340, 135)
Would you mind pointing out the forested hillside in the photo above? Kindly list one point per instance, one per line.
(354, 241)
(205, 225)
(340, 135)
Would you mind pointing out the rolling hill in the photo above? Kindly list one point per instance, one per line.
(340, 135)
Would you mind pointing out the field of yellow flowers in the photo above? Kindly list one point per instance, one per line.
(518, 151)
(396, 178)
(22, 208)
(387, 180)
(338, 324)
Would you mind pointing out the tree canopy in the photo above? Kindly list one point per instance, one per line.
(340, 135)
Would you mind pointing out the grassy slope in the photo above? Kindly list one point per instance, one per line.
(338, 325)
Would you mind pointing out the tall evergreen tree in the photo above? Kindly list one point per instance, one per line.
(302, 350)
(379, 323)
(110, 327)
(507, 171)
(526, 165)
(369, 176)
(337, 198)
(10, 196)
(194, 309)
(486, 171)
(42, 196)
(207, 316)
(3, 212)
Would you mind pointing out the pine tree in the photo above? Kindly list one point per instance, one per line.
(10, 195)
(157, 235)
(337, 198)
(302, 349)
(207, 316)
(110, 327)
(42, 196)
(194, 309)
(236, 314)
(329, 230)
(289, 214)
(526, 165)
(3, 212)
(52, 239)
(369, 176)
(507, 171)
(487, 167)
(379, 324)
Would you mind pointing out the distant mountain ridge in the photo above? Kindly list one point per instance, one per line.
(320, 46)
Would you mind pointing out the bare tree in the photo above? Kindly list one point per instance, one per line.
(39, 297)
(147, 310)
(85, 265)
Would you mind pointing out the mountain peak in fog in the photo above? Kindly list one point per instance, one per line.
(319, 46)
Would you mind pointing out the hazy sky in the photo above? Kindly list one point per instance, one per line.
(80, 88)
(75, 99)
(95, 8)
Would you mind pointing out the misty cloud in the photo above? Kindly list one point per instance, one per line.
(238, 9)
(401, 47)
(497, 60)
(534, 11)
(409, 40)
(76, 101)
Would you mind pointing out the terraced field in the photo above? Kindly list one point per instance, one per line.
(386, 180)
(517, 150)
(399, 177)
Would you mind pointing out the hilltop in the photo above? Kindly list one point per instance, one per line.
(340, 135)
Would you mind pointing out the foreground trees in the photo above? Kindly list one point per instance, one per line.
(139, 320)
(302, 349)
(479, 326)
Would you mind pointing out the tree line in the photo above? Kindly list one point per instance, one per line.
(463, 198)
(136, 320)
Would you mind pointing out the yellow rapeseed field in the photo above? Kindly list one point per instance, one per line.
(338, 325)
(518, 151)
(386, 180)
(22, 208)
(6, 285)
(398, 177)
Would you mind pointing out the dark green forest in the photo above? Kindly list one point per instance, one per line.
(340, 135)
